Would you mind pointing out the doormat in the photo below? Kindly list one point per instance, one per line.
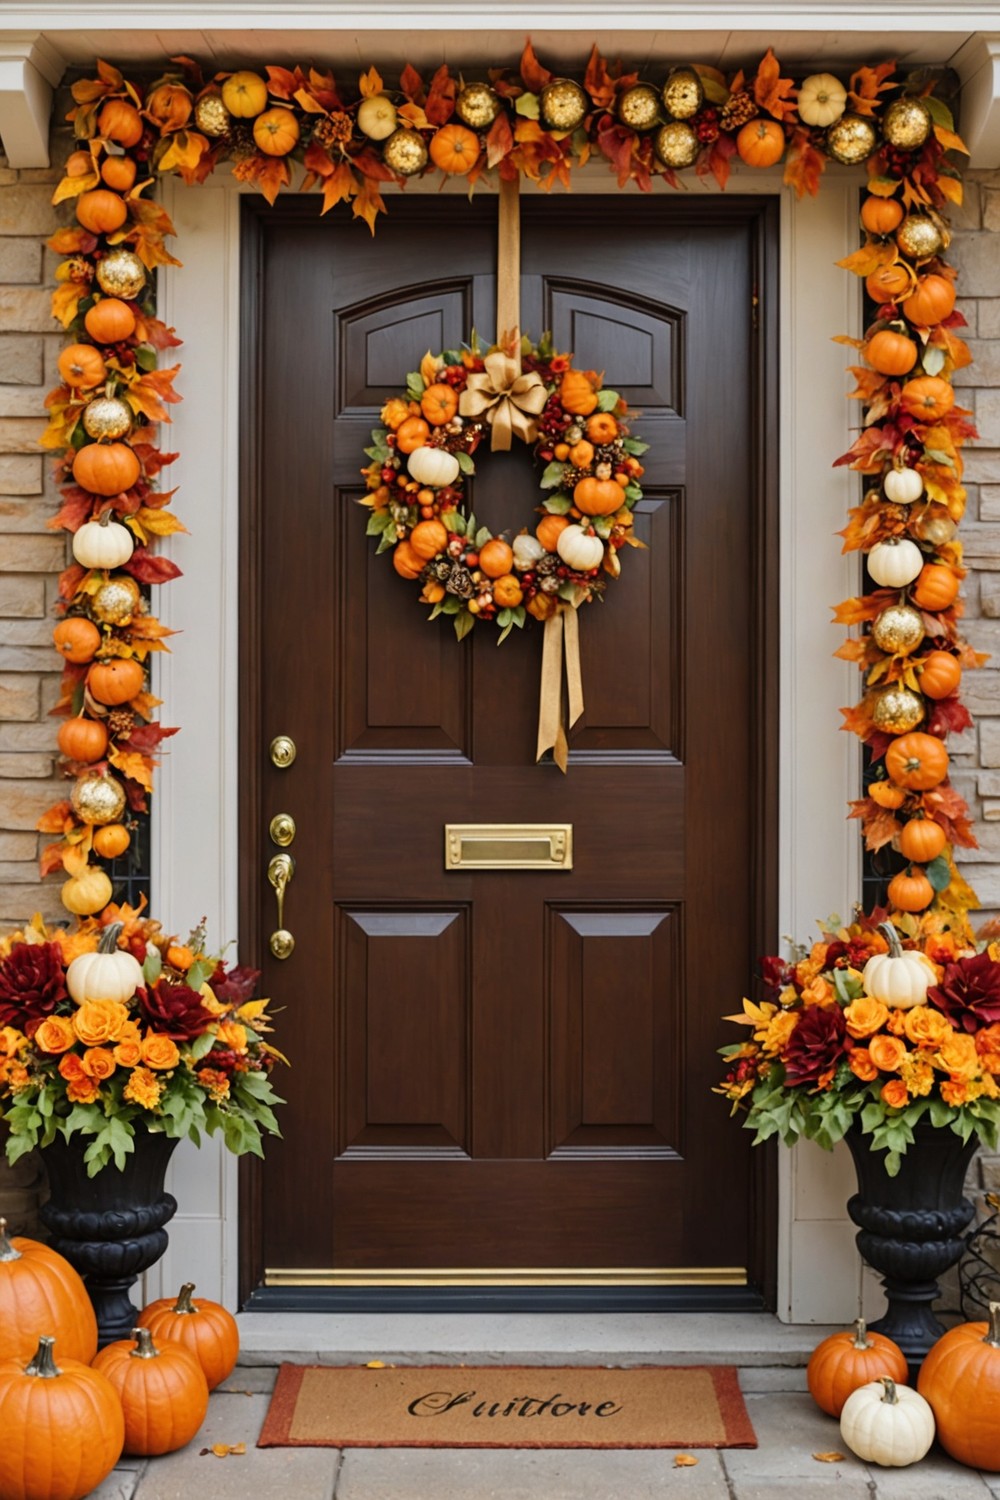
(507, 1406)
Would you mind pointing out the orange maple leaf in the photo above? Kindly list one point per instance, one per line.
(368, 203)
(135, 767)
(804, 165)
(598, 81)
(770, 90)
(858, 721)
(149, 393)
(866, 85)
(57, 819)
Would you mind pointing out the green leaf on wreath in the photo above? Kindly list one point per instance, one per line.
(939, 873)
(527, 105)
(415, 385)
(152, 965)
(465, 463)
(377, 522)
(633, 493)
(607, 400)
(939, 457)
(464, 622)
(450, 605)
(386, 541)
(557, 505)
(635, 446)
(483, 535)
(453, 521)
(503, 618)
(553, 476)
(145, 358)
(939, 112)
(470, 524)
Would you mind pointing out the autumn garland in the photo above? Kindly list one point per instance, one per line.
(527, 122)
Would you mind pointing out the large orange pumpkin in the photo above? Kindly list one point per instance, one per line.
(844, 1361)
(407, 561)
(921, 839)
(116, 680)
(411, 434)
(163, 1391)
(548, 529)
(917, 761)
(121, 122)
(428, 538)
(455, 149)
(62, 1426)
(439, 403)
(910, 890)
(577, 393)
(927, 398)
(109, 321)
(889, 283)
(496, 557)
(940, 675)
(936, 587)
(76, 638)
(891, 352)
(81, 366)
(597, 497)
(960, 1377)
(106, 468)
(203, 1327)
(40, 1290)
(881, 215)
(101, 211)
(761, 143)
(82, 740)
(932, 302)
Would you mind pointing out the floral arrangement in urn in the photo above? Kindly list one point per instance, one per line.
(881, 1024)
(116, 1026)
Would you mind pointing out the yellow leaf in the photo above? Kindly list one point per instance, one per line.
(370, 84)
(136, 767)
(684, 1460)
(368, 203)
(951, 187)
(252, 1009)
(72, 187)
(829, 1458)
(75, 856)
(185, 150)
(375, 1364)
(65, 301)
(428, 368)
(949, 140)
(159, 522)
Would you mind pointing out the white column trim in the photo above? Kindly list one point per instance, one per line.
(29, 70)
(978, 66)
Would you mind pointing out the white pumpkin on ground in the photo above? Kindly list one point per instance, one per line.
(887, 1424)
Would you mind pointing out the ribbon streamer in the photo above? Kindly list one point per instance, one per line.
(509, 400)
(562, 640)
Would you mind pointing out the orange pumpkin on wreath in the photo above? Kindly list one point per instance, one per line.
(423, 452)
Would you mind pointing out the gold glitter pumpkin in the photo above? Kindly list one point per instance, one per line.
(405, 152)
(562, 104)
(907, 123)
(106, 418)
(897, 710)
(932, 524)
(639, 107)
(477, 106)
(851, 140)
(116, 601)
(676, 144)
(98, 799)
(121, 273)
(919, 237)
(898, 630)
(683, 94)
(211, 116)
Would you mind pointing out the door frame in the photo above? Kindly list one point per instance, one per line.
(197, 811)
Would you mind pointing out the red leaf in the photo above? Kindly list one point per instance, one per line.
(70, 580)
(373, 166)
(440, 104)
(152, 331)
(77, 507)
(146, 738)
(411, 84)
(533, 75)
(135, 796)
(149, 569)
(499, 141)
(152, 459)
(616, 142)
(598, 81)
(950, 716)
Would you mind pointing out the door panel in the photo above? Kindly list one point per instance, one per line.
(507, 1069)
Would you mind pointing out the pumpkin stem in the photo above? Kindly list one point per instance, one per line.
(860, 1339)
(184, 1303)
(890, 1397)
(992, 1333)
(110, 936)
(43, 1365)
(7, 1251)
(145, 1348)
(892, 938)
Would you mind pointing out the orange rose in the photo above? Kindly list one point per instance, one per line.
(887, 1052)
(819, 992)
(954, 1093)
(55, 1035)
(231, 1034)
(71, 1068)
(987, 1045)
(159, 1051)
(14, 1074)
(860, 1063)
(865, 1016)
(99, 1021)
(958, 1054)
(896, 1022)
(894, 1094)
(82, 1091)
(128, 1054)
(926, 1027)
(143, 1088)
(99, 1063)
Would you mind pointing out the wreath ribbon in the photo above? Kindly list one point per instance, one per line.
(562, 639)
(509, 399)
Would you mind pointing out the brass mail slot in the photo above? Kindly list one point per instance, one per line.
(508, 846)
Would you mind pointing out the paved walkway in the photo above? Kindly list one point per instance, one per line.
(790, 1430)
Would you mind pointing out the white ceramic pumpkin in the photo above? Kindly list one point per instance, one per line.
(87, 892)
(377, 117)
(102, 544)
(903, 485)
(822, 99)
(900, 977)
(527, 550)
(888, 1424)
(895, 562)
(580, 550)
(433, 466)
(108, 974)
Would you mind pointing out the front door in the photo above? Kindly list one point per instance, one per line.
(505, 1076)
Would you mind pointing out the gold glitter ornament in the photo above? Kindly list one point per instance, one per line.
(676, 144)
(405, 152)
(683, 94)
(897, 710)
(211, 116)
(562, 104)
(106, 418)
(898, 630)
(98, 799)
(919, 237)
(477, 106)
(932, 524)
(121, 273)
(851, 139)
(907, 123)
(639, 107)
(116, 601)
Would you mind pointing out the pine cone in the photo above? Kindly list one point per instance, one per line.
(241, 142)
(460, 583)
(572, 477)
(332, 130)
(439, 571)
(547, 564)
(121, 722)
(741, 107)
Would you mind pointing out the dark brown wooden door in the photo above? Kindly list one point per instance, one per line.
(506, 1070)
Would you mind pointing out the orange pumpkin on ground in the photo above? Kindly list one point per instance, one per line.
(407, 562)
(847, 1360)
(428, 538)
(910, 890)
(109, 321)
(960, 1377)
(940, 675)
(82, 740)
(927, 398)
(101, 211)
(62, 1426)
(917, 761)
(496, 557)
(411, 434)
(162, 1389)
(597, 497)
(76, 639)
(889, 283)
(577, 393)
(455, 149)
(439, 403)
(931, 302)
(936, 587)
(203, 1327)
(82, 367)
(881, 215)
(111, 840)
(548, 529)
(922, 839)
(116, 680)
(761, 143)
(40, 1290)
(106, 468)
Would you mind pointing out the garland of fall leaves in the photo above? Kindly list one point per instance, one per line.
(523, 122)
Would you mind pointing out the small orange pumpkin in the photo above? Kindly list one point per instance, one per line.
(82, 740)
(581, 455)
(917, 761)
(761, 143)
(597, 497)
(932, 302)
(940, 675)
(111, 840)
(203, 1327)
(887, 794)
(118, 173)
(276, 131)
(602, 427)
(428, 538)
(407, 562)
(889, 283)
(844, 1361)
(927, 398)
(881, 216)
(910, 890)
(109, 321)
(121, 122)
(163, 1391)
(890, 352)
(455, 149)
(101, 211)
(507, 591)
(116, 680)
(496, 558)
(82, 367)
(439, 403)
(106, 468)
(411, 434)
(76, 639)
(921, 839)
(936, 587)
(548, 529)
(577, 393)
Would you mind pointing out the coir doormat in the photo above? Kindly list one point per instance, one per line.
(507, 1406)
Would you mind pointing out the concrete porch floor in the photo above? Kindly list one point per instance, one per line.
(771, 1357)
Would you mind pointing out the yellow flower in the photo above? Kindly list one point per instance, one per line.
(774, 1036)
(159, 1051)
(926, 1027)
(918, 1075)
(14, 1074)
(99, 1021)
(958, 1056)
(55, 1035)
(819, 992)
(12, 1041)
(143, 1088)
(953, 1092)
(232, 1034)
(394, 413)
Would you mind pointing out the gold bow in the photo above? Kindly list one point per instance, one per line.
(509, 399)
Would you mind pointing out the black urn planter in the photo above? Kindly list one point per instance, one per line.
(109, 1227)
(911, 1227)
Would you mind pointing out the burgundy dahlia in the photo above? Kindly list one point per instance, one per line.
(969, 993)
(816, 1045)
(776, 974)
(174, 1010)
(32, 983)
(235, 987)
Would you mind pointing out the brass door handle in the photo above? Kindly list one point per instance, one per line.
(280, 870)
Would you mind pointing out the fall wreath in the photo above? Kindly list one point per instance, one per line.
(422, 455)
